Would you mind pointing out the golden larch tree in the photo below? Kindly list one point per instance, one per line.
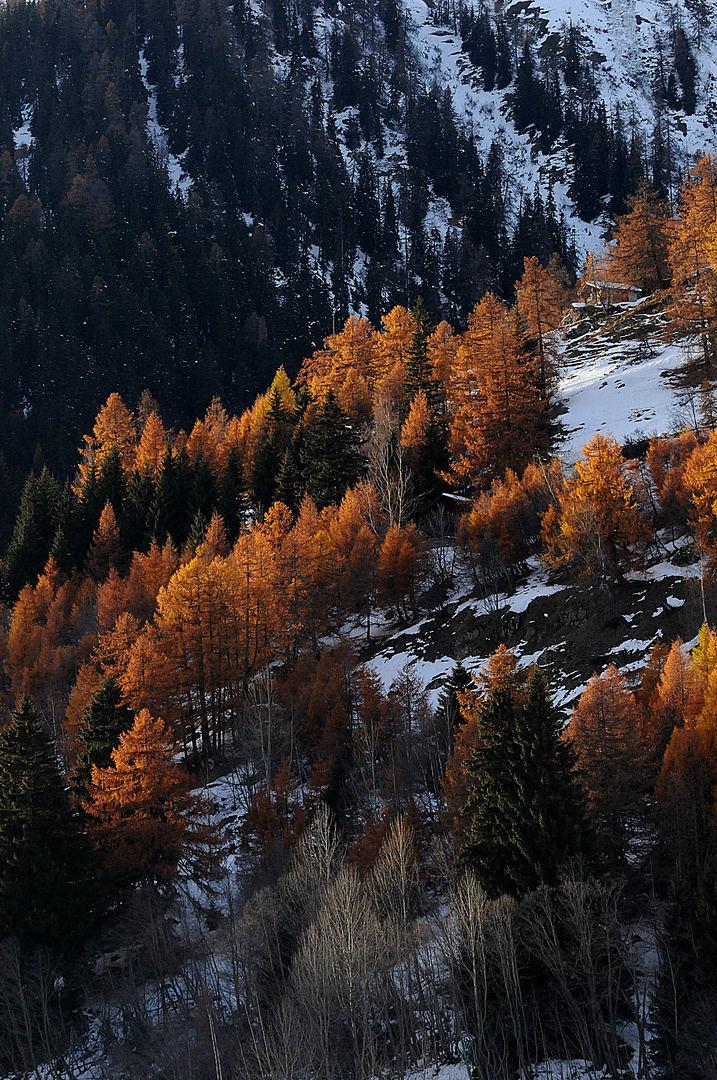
(596, 526)
(691, 258)
(640, 253)
(141, 815)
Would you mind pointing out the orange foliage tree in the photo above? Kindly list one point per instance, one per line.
(596, 525)
(541, 304)
(499, 418)
(141, 815)
(608, 732)
(114, 429)
(640, 254)
(691, 258)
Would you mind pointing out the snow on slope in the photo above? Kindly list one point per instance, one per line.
(620, 380)
(625, 36)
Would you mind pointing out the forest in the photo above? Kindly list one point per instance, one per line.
(391, 883)
(284, 121)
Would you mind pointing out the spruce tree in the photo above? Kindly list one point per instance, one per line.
(203, 494)
(43, 859)
(449, 707)
(675, 984)
(330, 457)
(528, 812)
(290, 485)
(67, 542)
(168, 513)
(34, 532)
(197, 532)
(103, 722)
(419, 369)
(232, 502)
(135, 524)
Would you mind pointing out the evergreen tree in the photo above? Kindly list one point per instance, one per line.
(103, 722)
(330, 459)
(168, 512)
(527, 809)
(232, 501)
(203, 494)
(34, 531)
(134, 525)
(197, 532)
(265, 472)
(290, 485)
(66, 547)
(675, 984)
(419, 369)
(449, 707)
(43, 861)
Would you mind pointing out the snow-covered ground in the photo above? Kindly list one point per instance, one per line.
(180, 181)
(625, 38)
(622, 384)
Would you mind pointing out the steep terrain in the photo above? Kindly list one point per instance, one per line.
(190, 196)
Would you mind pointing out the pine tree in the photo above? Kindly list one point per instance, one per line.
(44, 891)
(527, 812)
(104, 720)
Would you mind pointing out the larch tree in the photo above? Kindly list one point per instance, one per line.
(596, 525)
(152, 446)
(142, 817)
(539, 303)
(691, 258)
(114, 429)
(499, 418)
(608, 732)
(640, 253)
(700, 481)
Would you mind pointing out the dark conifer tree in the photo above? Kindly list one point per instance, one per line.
(449, 708)
(197, 532)
(330, 460)
(527, 808)
(34, 532)
(135, 523)
(169, 510)
(203, 494)
(44, 889)
(232, 501)
(103, 722)
(675, 984)
(419, 369)
(265, 472)
(290, 486)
